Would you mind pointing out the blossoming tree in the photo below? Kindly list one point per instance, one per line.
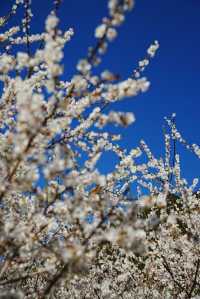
(82, 234)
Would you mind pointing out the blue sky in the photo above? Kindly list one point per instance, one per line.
(174, 73)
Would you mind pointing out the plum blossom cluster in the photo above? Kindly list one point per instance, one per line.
(66, 229)
(161, 233)
(106, 32)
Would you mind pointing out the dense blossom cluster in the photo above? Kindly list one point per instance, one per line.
(66, 229)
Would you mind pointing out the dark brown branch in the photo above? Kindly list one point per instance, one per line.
(195, 279)
(54, 281)
(168, 269)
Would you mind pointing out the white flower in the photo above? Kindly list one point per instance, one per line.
(153, 48)
(22, 59)
(111, 34)
(100, 31)
(83, 66)
(79, 83)
(51, 22)
(143, 63)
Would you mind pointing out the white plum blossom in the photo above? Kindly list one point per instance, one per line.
(69, 229)
(153, 48)
(111, 34)
(100, 31)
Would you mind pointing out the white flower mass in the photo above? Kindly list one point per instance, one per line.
(67, 230)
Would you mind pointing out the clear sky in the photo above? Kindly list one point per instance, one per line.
(174, 73)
